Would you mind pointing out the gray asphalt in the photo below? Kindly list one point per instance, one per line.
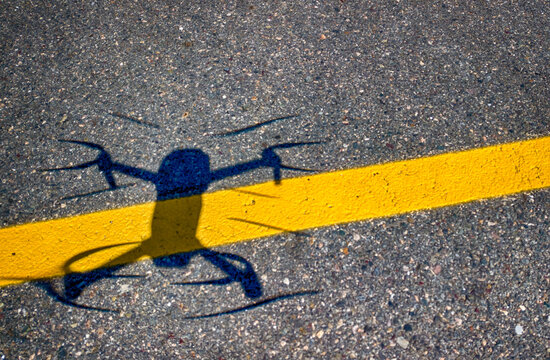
(374, 81)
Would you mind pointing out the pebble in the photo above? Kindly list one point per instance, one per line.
(519, 329)
(404, 343)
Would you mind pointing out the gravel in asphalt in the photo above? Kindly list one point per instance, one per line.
(376, 81)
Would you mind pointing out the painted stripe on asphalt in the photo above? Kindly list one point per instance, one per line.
(86, 242)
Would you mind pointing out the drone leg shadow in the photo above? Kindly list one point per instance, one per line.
(49, 289)
(75, 283)
(246, 277)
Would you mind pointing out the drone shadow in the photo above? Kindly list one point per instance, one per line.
(183, 176)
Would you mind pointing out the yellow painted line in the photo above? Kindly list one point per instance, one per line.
(85, 242)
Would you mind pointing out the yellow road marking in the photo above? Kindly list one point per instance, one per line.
(86, 242)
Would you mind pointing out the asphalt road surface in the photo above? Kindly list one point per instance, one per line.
(371, 81)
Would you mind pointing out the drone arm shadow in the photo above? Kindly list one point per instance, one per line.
(236, 169)
(135, 172)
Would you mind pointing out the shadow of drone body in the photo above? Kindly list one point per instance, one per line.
(182, 178)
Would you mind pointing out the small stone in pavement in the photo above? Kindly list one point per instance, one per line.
(404, 343)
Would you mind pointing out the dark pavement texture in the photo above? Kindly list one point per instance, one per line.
(375, 81)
